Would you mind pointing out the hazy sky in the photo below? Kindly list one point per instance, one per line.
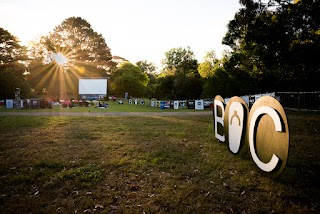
(133, 29)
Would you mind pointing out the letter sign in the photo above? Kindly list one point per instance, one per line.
(264, 131)
(268, 136)
(218, 109)
(236, 114)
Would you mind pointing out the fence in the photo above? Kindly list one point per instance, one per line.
(290, 100)
(299, 100)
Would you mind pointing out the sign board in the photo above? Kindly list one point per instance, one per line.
(9, 103)
(199, 105)
(176, 104)
(264, 131)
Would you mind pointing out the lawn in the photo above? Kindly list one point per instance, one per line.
(151, 164)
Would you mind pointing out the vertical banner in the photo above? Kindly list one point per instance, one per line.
(9, 103)
(176, 104)
(199, 105)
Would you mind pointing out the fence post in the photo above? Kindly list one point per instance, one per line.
(299, 101)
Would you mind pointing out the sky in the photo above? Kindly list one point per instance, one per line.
(136, 30)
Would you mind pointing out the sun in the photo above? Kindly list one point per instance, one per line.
(60, 59)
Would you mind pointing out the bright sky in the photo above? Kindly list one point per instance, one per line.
(133, 29)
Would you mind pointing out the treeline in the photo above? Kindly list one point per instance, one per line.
(273, 47)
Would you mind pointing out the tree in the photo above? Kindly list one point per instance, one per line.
(277, 46)
(10, 49)
(165, 86)
(181, 63)
(146, 67)
(182, 60)
(11, 69)
(302, 23)
(72, 50)
(80, 44)
(211, 57)
(193, 87)
(149, 68)
(205, 69)
(129, 78)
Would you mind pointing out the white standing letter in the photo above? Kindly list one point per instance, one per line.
(267, 167)
(217, 119)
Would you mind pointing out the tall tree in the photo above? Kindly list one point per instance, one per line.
(11, 69)
(211, 57)
(165, 86)
(181, 62)
(75, 50)
(277, 46)
(209, 64)
(129, 78)
(149, 68)
(10, 49)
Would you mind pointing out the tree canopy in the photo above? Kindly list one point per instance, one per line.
(80, 44)
(72, 50)
(128, 78)
(181, 74)
(146, 67)
(10, 49)
(277, 46)
(210, 63)
(182, 60)
(11, 69)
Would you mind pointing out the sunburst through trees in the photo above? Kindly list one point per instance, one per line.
(71, 51)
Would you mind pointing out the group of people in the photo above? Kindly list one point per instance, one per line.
(103, 105)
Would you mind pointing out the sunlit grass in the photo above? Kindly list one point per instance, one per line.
(150, 164)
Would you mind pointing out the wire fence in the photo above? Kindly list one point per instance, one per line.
(309, 101)
(299, 100)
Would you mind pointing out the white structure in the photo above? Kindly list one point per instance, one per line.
(93, 88)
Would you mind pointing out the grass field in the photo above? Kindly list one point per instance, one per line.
(148, 164)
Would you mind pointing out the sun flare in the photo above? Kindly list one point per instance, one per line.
(60, 59)
(60, 73)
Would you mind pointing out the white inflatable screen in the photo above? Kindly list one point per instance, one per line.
(92, 86)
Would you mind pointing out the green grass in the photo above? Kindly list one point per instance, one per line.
(148, 164)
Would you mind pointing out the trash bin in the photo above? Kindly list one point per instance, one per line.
(162, 104)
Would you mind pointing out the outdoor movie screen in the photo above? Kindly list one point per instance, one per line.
(93, 86)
